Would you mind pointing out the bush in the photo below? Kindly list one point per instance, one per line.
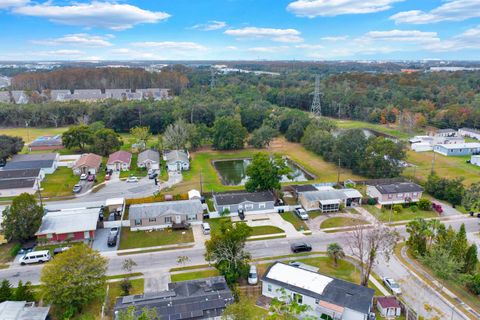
(397, 208)
(371, 201)
(414, 208)
(15, 249)
(424, 204)
(473, 284)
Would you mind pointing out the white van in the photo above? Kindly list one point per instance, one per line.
(206, 228)
(35, 257)
(253, 275)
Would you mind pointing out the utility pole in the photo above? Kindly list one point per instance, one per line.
(212, 78)
(39, 192)
(28, 131)
(338, 172)
(316, 105)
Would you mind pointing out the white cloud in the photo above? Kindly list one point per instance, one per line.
(78, 39)
(210, 25)
(334, 38)
(277, 35)
(115, 16)
(170, 45)
(330, 8)
(232, 48)
(62, 53)
(470, 39)
(408, 36)
(309, 46)
(12, 3)
(451, 10)
(267, 49)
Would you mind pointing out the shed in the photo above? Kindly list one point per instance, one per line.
(389, 307)
(194, 194)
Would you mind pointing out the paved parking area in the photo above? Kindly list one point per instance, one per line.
(100, 241)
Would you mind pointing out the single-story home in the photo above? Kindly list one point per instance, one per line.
(46, 143)
(177, 160)
(5, 97)
(328, 199)
(77, 224)
(16, 182)
(119, 161)
(193, 299)
(149, 159)
(88, 95)
(475, 160)
(389, 307)
(23, 310)
(469, 132)
(327, 297)
(446, 133)
(47, 162)
(161, 215)
(59, 95)
(88, 163)
(395, 193)
(249, 202)
(460, 149)
(20, 97)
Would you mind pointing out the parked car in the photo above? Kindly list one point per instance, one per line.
(83, 176)
(109, 171)
(107, 177)
(206, 228)
(132, 179)
(28, 247)
(112, 240)
(301, 213)
(35, 257)
(77, 188)
(253, 275)
(437, 207)
(300, 247)
(392, 285)
(114, 231)
(91, 177)
(152, 175)
(60, 250)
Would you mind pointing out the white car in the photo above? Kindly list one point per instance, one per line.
(132, 179)
(83, 176)
(253, 275)
(392, 285)
(301, 213)
(35, 257)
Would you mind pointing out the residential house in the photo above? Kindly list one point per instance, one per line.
(426, 143)
(19, 97)
(161, 215)
(326, 297)
(117, 94)
(249, 202)
(23, 310)
(149, 159)
(119, 161)
(76, 224)
(193, 299)
(88, 95)
(445, 133)
(328, 199)
(395, 193)
(475, 160)
(463, 149)
(88, 163)
(60, 95)
(46, 143)
(389, 307)
(47, 162)
(469, 132)
(177, 160)
(16, 182)
(154, 93)
(5, 97)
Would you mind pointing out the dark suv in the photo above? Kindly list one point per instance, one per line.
(300, 247)
(112, 240)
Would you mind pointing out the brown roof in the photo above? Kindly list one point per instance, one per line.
(90, 160)
(388, 302)
(120, 156)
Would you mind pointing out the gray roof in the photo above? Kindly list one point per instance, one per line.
(17, 183)
(303, 188)
(148, 154)
(88, 94)
(193, 299)
(35, 164)
(320, 195)
(60, 95)
(175, 155)
(338, 292)
(22, 310)
(471, 130)
(19, 174)
(35, 157)
(240, 197)
(117, 94)
(158, 209)
(19, 96)
(399, 187)
(446, 131)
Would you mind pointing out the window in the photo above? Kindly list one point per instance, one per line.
(152, 219)
(168, 219)
(269, 288)
(49, 236)
(138, 222)
(298, 298)
(192, 217)
(248, 206)
(400, 195)
(262, 205)
(415, 194)
(390, 196)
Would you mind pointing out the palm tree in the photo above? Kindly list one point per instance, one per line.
(335, 252)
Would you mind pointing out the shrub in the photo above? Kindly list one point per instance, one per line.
(424, 204)
(15, 249)
(397, 208)
(225, 212)
(371, 202)
(473, 284)
(414, 208)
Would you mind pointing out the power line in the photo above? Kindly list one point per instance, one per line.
(316, 105)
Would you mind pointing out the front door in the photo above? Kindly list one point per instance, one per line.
(178, 219)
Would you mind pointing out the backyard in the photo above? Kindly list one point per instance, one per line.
(144, 239)
(386, 215)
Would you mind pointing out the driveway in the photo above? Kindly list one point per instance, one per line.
(271, 219)
(199, 237)
(100, 241)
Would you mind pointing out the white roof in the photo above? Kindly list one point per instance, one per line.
(298, 277)
(114, 201)
(69, 221)
(352, 193)
(194, 194)
(468, 145)
(327, 202)
(325, 188)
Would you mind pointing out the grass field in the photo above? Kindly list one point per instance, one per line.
(291, 217)
(264, 230)
(134, 170)
(193, 275)
(341, 222)
(32, 133)
(406, 214)
(60, 183)
(144, 239)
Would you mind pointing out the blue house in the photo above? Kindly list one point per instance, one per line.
(460, 149)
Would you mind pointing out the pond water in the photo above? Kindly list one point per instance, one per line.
(232, 172)
(368, 133)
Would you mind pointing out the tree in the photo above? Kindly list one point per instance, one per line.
(126, 284)
(9, 146)
(335, 252)
(366, 244)
(349, 149)
(471, 198)
(441, 262)
(418, 241)
(227, 249)
(424, 204)
(106, 141)
(287, 307)
(228, 134)
(177, 135)
(241, 310)
(471, 260)
(22, 218)
(382, 158)
(459, 246)
(6, 292)
(77, 137)
(295, 131)
(265, 172)
(74, 278)
(262, 136)
(24, 292)
(473, 284)
(132, 314)
(141, 135)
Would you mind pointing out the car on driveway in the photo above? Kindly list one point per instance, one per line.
(132, 179)
(91, 177)
(152, 175)
(301, 213)
(35, 257)
(77, 188)
(392, 285)
(253, 275)
(114, 231)
(83, 176)
(112, 240)
(300, 247)
(60, 250)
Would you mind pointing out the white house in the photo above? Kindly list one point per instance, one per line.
(469, 132)
(328, 298)
(389, 307)
(475, 160)
(461, 149)
(149, 159)
(421, 146)
(328, 199)
(177, 160)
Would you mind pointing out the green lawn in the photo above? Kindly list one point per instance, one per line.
(315, 213)
(6, 253)
(215, 223)
(406, 214)
(144, 239)
(264, 230)
(134, 170)
(30, 134)
(291, 217)
(341, 222)
(60, 183)
(193, 275)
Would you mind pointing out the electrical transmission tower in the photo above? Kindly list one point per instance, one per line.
(316, 106)
(212, 78)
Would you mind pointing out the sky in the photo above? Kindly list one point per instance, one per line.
(239, 29)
